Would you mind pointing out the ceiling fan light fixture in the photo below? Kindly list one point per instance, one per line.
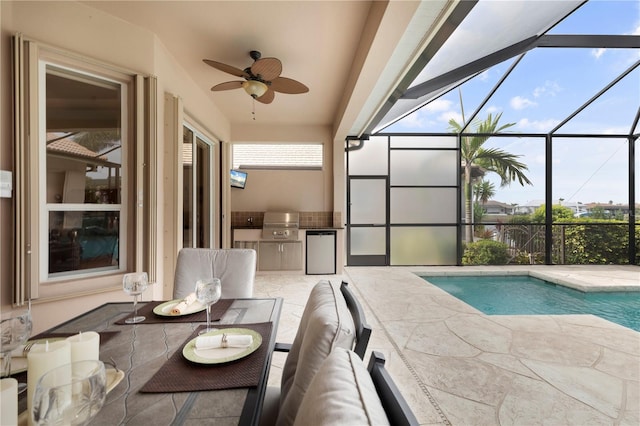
(254, 88)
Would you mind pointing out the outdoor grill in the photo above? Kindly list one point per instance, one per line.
(280, 226)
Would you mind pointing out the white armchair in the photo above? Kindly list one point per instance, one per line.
(236, 269)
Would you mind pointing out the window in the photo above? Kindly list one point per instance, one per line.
(82, 199)
(277, 156)
(84, 186)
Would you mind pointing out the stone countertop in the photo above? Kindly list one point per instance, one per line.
(320, 228)
(302, 228)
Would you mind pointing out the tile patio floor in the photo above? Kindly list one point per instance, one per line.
(457, 366)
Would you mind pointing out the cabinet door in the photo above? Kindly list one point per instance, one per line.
(269, 258)
(291, 256)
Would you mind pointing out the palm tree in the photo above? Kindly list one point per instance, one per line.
(494, 160)
(483, 191)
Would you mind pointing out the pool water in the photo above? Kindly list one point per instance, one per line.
(526, 295)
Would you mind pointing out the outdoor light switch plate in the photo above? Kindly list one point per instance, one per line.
(6, 185)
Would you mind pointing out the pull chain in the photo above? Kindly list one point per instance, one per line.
(253, 111)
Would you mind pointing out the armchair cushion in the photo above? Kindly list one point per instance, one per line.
(236, 269)
(326, 324)
(341, 393)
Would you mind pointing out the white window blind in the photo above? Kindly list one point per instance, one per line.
(277, 156)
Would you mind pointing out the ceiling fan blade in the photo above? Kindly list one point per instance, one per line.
(267, 98)
(229, 85)
(288, 85)
(226, 68)
(267, 68)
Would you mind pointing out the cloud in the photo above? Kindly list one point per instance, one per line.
(620, 130)
(597, 53)
(484, 75)
(437, 106)
(540, 159)
(429, 115)
(549, 88)
(537, 125)
(448, 115)
(416, 120)
(518, 102)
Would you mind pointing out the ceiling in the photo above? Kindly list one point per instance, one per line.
(350, 54)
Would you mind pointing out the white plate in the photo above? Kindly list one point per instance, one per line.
(221, 355)
(114, 376)
(164, 309)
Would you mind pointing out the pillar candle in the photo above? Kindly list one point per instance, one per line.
(42, 358)
(85, 346)
(8, 402)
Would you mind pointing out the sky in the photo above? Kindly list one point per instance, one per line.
(545, 88)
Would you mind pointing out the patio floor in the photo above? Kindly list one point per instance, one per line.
(458, 366)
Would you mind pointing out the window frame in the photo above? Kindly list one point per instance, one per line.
(138, 242)
(46, 208)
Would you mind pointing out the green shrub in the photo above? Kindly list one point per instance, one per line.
(485, 252)
(558, 212)
(591, 242)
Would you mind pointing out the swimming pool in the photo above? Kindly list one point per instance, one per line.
(526, 295)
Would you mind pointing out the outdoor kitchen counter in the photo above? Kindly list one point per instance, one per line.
(250, 237)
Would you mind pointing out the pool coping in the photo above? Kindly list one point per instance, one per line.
(563, 279)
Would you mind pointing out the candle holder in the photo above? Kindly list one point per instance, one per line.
(15, 331)
(71, 394)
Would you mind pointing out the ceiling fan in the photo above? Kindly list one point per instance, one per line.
(262, 79)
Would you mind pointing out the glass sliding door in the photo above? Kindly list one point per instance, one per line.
(203, 189)
(187, 189)
(198, 190)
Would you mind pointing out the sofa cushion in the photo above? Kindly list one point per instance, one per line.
(341, 393)
(326, 324)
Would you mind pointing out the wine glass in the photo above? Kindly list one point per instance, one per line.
(71, 394)
(208, 292)
(15, 331)
(135, 284)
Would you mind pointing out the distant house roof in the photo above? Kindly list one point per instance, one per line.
(495, 203)
(68, 146)
(607, 206)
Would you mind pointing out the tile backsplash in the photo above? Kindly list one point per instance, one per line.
(307, 219)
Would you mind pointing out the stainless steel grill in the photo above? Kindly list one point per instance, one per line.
(280, 226)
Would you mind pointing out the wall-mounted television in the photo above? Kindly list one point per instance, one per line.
(238, 179)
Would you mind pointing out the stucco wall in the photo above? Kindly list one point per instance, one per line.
(286, 190)
(80, 29)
